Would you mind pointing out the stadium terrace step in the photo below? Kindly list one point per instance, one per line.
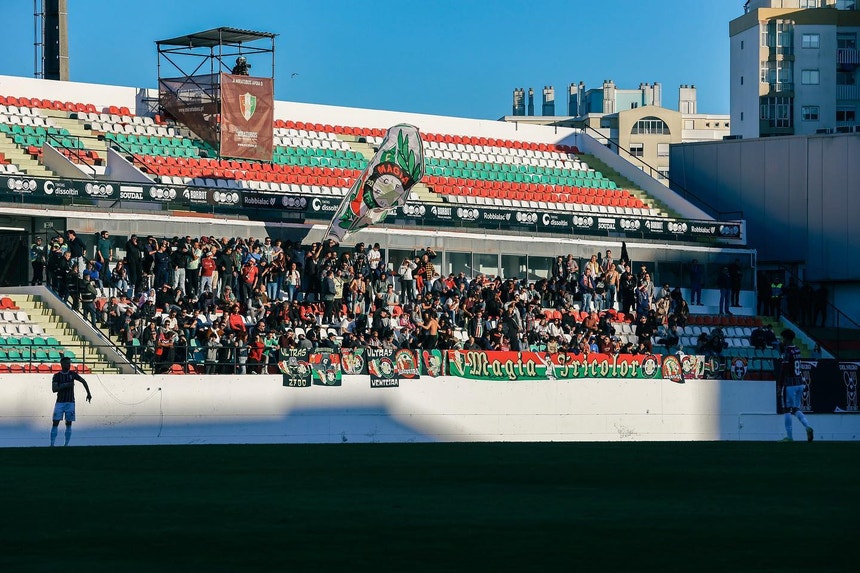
(57, 335)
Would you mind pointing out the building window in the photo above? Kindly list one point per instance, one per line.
(742, 116)
(809, 112)
(811, 41)
(650, 126)
(845, 78)
(846, 115)
(662, 150)
(637, 149)
(846, 40)
(809, 3)
(663, 172)
(742, 44)
(777, 111)
(779, 75)
(810, 77)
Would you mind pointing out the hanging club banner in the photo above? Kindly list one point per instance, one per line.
(326, 369)
(512, 366)
(380, 366)
(295, 367)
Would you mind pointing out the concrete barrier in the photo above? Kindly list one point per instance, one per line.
(130, 410)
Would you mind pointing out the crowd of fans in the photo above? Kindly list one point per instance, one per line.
(236, 302)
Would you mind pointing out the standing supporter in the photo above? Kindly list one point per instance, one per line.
(134, 259)
(207, 270)
(52, 265)
(627, 285)
(225, 268)
(724, 284)
(162, 260)
(293, 281)
(88, 299)
(776, 296)
(611, 280)
(178, 261)
(78, 249)
(38, 256)
(104, 255)
(250, 271)
(643, 301)
(192, 268)
(696, 276)
(607, 263)
(407, 280)
(736, 279)
(149, 250)
(586, 286)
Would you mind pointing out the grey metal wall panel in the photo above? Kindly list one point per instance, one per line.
(800, 195)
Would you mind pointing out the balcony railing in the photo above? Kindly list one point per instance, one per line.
(780, 87)
(774, 51)
(847, 92)
(848, 56)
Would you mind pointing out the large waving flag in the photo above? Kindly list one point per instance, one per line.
(383, 185)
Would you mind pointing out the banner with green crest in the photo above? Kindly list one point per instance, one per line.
(383, 185)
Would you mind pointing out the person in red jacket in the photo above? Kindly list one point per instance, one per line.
(255, 355)
(235, 321)
(250, 271)
(207, 270)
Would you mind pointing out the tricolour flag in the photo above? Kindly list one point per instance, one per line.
(383, 185)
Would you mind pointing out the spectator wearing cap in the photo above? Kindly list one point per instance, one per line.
(250, 272)
(207, 271)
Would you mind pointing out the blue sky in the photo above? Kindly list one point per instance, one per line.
(460, 58)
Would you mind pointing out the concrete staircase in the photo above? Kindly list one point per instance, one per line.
(76, 129)
(624, 183)
(53, 325)
(21, 158)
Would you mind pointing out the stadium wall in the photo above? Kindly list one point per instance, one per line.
(800, 190)
(150, 410)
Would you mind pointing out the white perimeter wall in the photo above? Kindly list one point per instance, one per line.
(129, 410)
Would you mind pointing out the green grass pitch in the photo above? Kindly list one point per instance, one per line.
(714, 506)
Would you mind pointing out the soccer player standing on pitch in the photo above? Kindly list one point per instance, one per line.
(791, 384)
(63, 385)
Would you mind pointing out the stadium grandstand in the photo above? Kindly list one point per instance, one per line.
(135, 246)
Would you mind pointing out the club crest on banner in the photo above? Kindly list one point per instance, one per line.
(247, 105)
